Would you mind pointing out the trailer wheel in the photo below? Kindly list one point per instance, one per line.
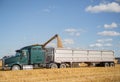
(112, 64)
(53, 65)
(15, 67)
(106, 64)
(62, 65)
(92, 64)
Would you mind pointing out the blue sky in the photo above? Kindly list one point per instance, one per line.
(82, 24)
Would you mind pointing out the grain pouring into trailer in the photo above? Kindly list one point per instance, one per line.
(39, 56)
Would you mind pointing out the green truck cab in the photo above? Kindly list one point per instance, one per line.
(29, 55)
(32, 56)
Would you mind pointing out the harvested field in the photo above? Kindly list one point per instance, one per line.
(82, 74)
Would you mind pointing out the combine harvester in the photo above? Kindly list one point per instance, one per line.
(37, 56)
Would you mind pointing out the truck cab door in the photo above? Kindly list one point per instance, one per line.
(24, 57)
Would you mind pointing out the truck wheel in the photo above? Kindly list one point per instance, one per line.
(62, 65)
(92, 64)
(53, 65)
(112, 64)
(15, 67)
(106, 64)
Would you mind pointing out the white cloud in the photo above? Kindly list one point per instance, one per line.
(68, 41)
(109, 39)
(108, 44)
(101, 45)
(52, 44)
(104, 7)
(109, 33)
(74, 32)
(96, 45)
(104, 40)
(77, 34)
(49, 9)
(71, 30)
(98, 26)
(110, 26)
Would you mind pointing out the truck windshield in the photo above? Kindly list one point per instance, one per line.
(17, 54)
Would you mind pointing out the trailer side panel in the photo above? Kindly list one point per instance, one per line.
(70, 55)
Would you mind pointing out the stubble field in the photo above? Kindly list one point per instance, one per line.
(81, 74)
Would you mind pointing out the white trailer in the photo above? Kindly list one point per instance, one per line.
(62, 57)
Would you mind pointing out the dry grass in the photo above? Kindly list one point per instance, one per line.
(82, 74)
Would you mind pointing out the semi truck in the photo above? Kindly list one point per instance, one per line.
(40, 56)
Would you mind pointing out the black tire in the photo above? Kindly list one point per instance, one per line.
(92, 64)
(53, 66)
(112, 64)
(63, 65)
(15, 67)
(106, 64)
